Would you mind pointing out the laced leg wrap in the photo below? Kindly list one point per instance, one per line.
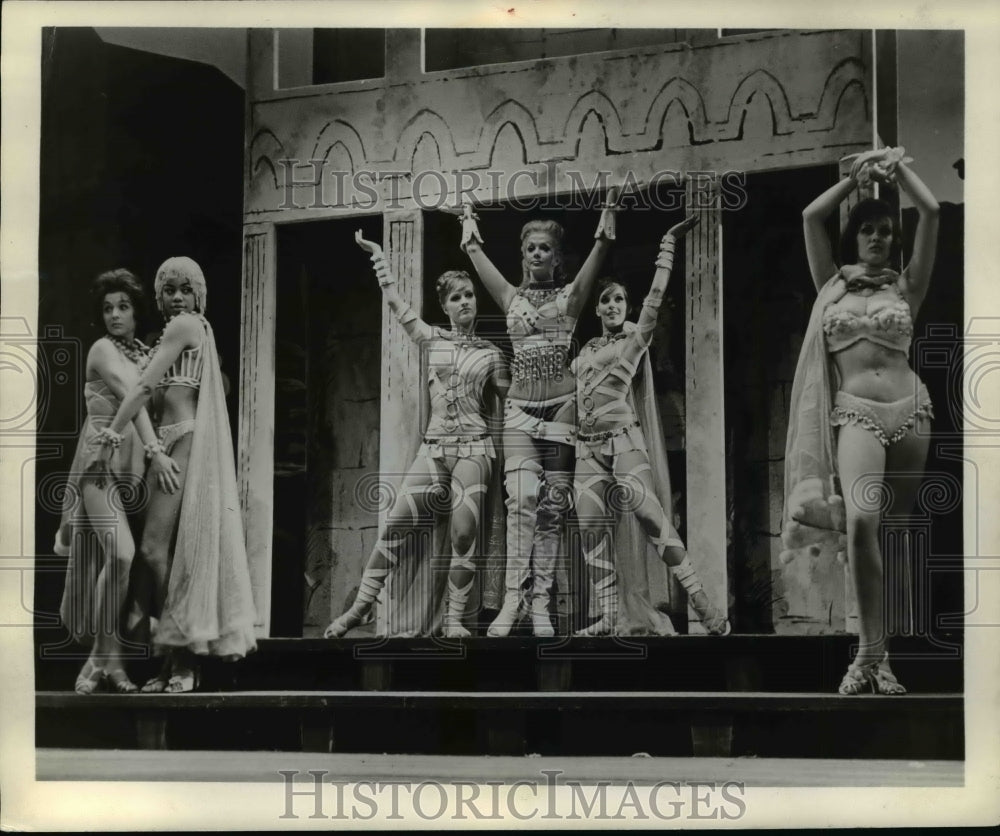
(461, 574)
(600, 560)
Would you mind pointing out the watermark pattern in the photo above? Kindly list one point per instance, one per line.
(549, 797)
(308, 184)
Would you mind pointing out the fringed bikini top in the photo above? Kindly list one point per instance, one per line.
(870, 308)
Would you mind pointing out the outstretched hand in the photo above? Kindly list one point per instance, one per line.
(678, 231)
(606, 225)
(378, 259)
(470, 229)
(368, 246)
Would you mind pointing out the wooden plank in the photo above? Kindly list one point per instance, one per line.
(705, 454)
(264, 767)
(701, 701)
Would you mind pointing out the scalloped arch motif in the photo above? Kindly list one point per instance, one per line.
(426, 121)
(847, 74)
(264, 147)
(599, 104)
(339, 132)
(759, 81)
(674, 90)
(524, 123)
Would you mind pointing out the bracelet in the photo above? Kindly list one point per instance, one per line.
(406, 315)
(153, 448)
(377, 260)
(665, 257)
(109, 438)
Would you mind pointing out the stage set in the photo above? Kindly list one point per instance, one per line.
(390, 132)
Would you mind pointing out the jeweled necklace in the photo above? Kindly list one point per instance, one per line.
(538, 295)
(136, 351)
(605, 339)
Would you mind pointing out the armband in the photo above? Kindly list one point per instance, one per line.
(406, 316)
(665, 257)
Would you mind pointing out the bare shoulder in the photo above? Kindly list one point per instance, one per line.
(185, 328)
(101, 349)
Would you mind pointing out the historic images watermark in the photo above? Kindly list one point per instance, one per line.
(549, 797)
(307, 184)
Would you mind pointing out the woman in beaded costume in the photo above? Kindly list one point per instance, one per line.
(202, 590)
(859, 418)
(539, 414)
(621, 466)
(95, 532)
(467, 376)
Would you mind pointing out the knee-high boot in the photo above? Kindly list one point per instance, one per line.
(523, 481)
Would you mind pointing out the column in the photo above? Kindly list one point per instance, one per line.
(255, 443)
(705, 441)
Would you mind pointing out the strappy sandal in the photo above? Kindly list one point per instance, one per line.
(158, 683)
(184, 675)
(120, 683)
(871, 675)
(183, 681)
(90, 678)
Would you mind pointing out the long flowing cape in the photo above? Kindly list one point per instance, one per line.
(644, 581)
(209, 607)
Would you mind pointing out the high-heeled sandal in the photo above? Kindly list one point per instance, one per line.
(90, 678)
(120, 683)
(871, 675)
(158, 684)
(183, 680)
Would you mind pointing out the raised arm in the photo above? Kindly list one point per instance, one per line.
(415, 327)
(664, 267)
(496, 285)
(583, 284)
(818, 249)
(917, 274)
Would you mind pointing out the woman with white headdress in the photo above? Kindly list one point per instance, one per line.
(202, 590)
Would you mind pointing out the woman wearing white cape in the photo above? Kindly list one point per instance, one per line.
(202, 589)
(872, 428)
(621, 468)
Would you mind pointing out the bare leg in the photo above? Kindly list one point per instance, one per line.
(158, 534)
(118, 547)
(413, 504)
(904, 469)
(468, 486)
(861, 465)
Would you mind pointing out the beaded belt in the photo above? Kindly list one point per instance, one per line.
(541, 363)
(604, 436)
(454, 439)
